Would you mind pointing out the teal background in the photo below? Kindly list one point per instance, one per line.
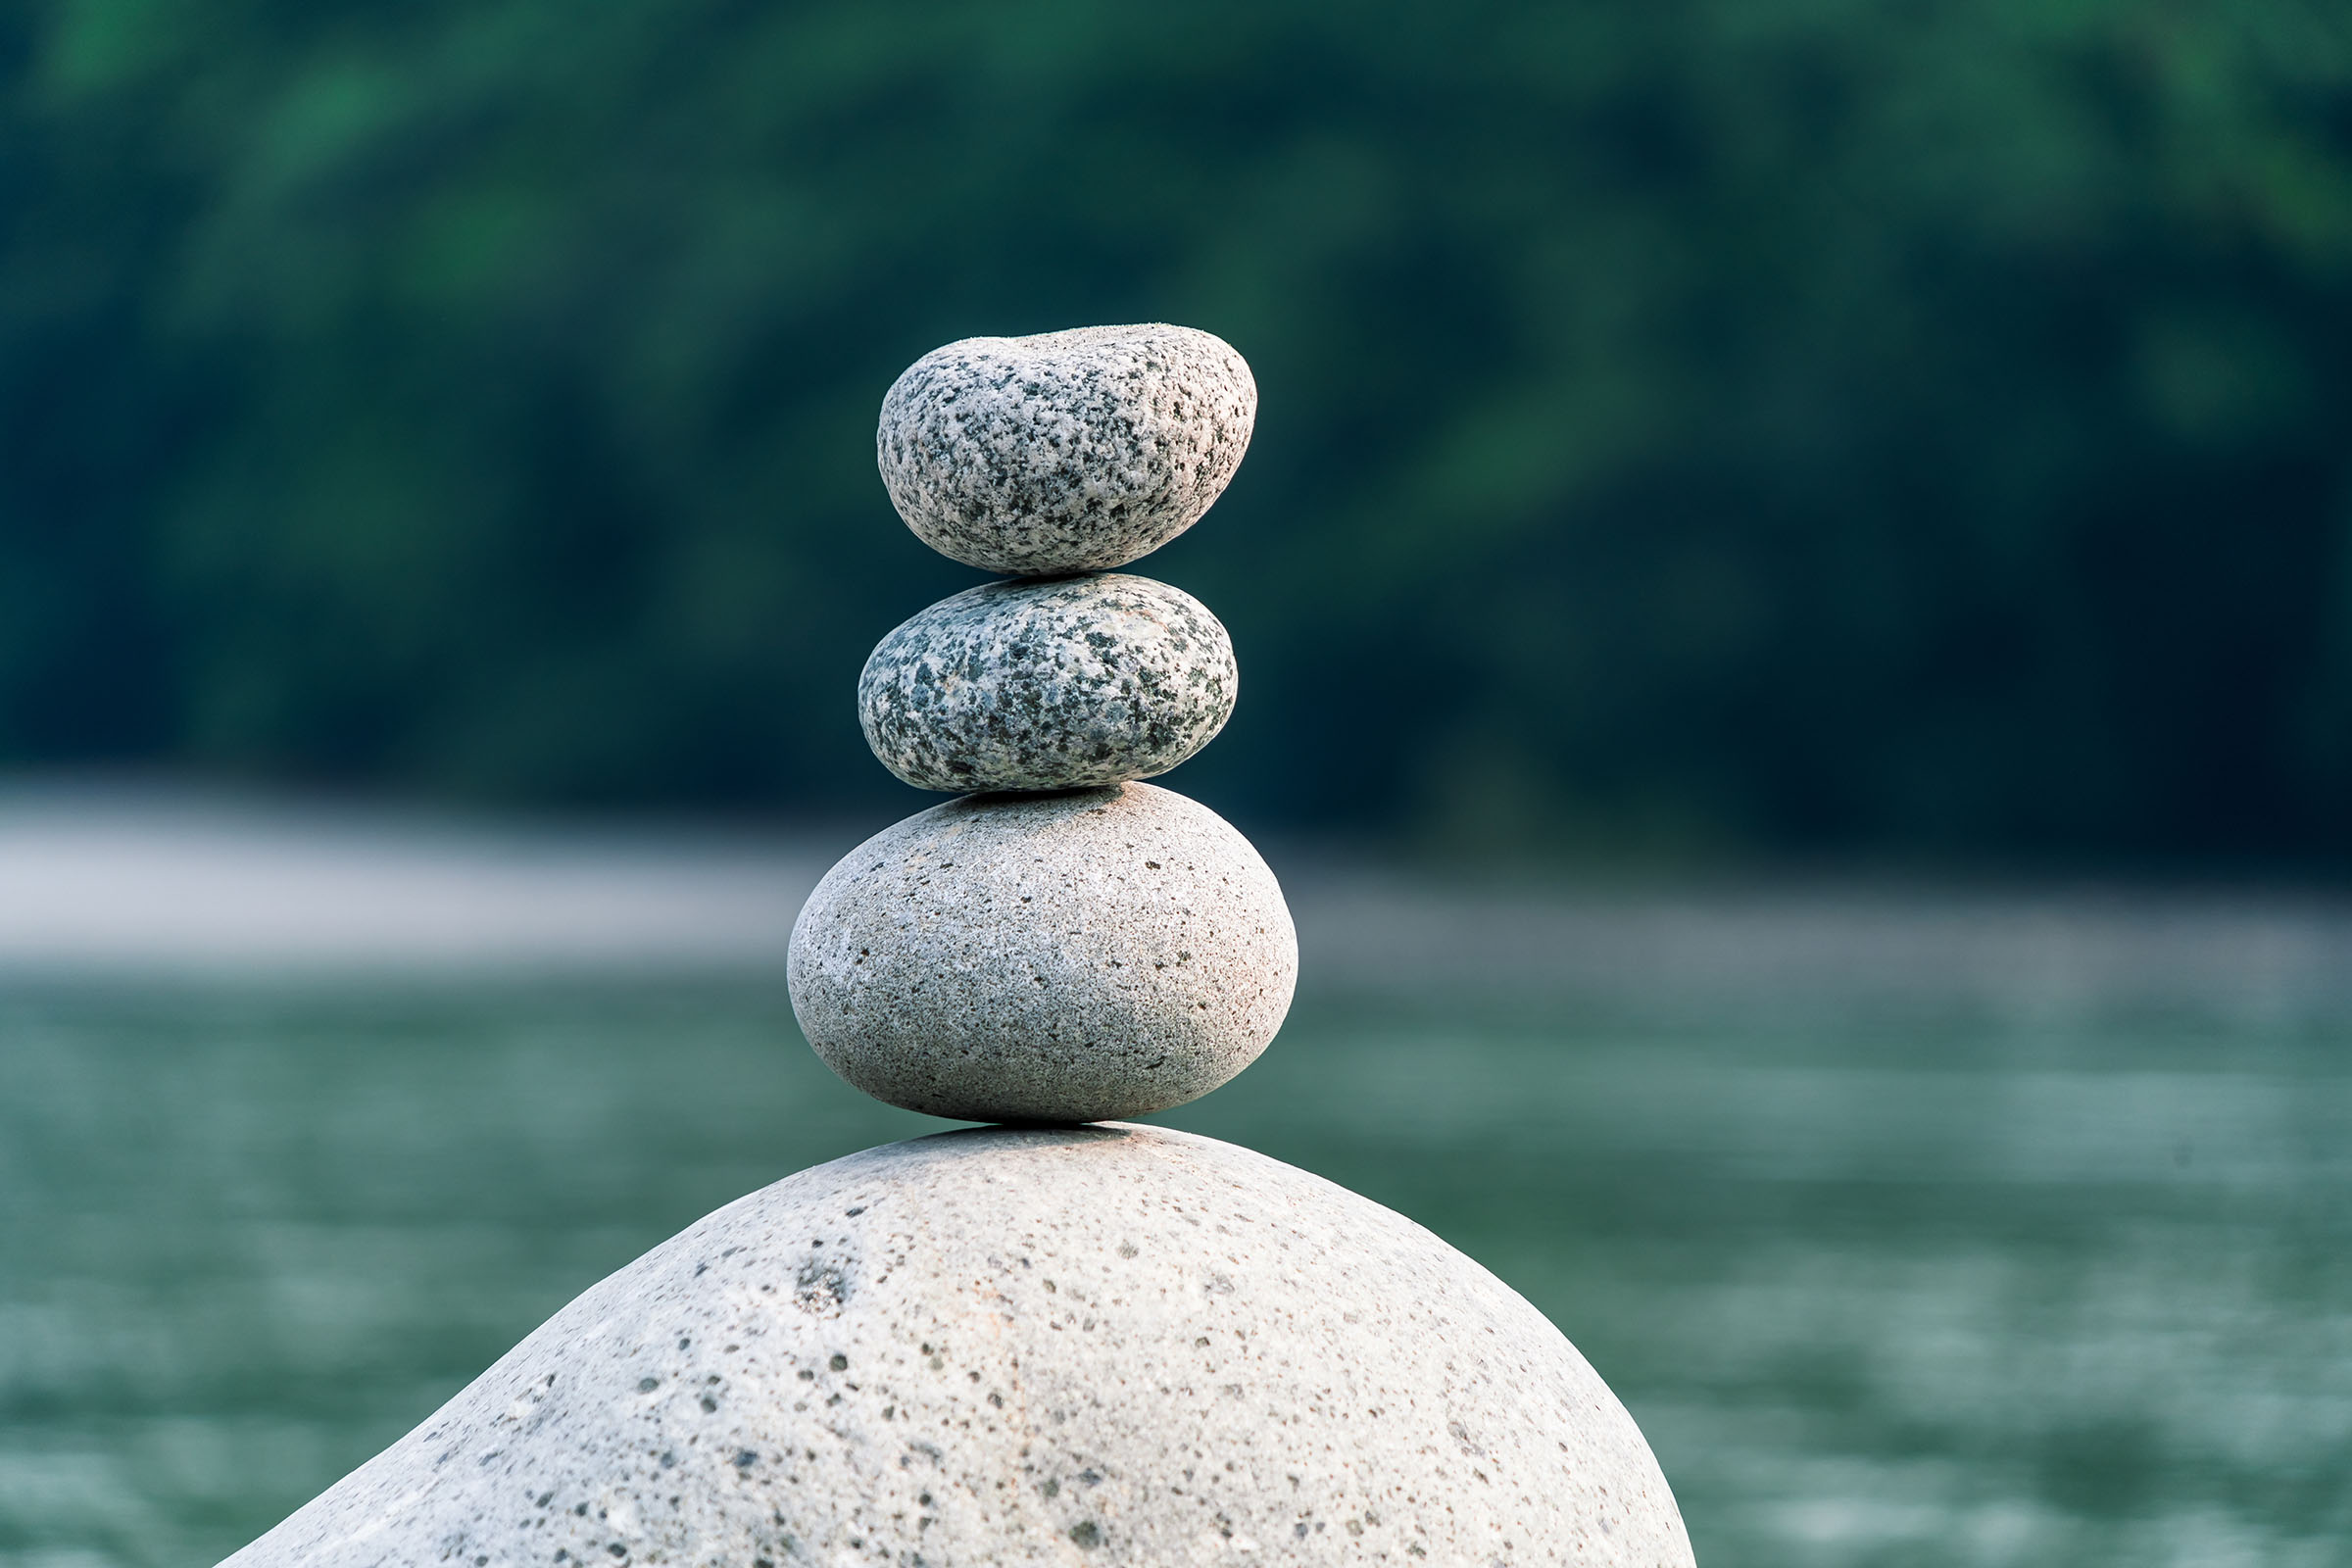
(1951, 1287)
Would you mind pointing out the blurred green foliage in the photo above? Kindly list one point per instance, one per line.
(1912, 425)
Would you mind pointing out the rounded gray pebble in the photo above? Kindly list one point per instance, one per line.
(1061, 684)
(1046, 957)
(1115, 1344)
(1072, 451)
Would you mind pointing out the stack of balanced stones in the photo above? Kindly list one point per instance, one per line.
(1068, 1339)
(1062, 944)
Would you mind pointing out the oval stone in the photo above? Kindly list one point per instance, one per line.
(1116, 1345)
(1058, 684)
(1056, 958)
(1065, 452)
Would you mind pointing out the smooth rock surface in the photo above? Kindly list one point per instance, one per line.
(994, 1346)
(1072, 451)
(1045, 957)
(1058, 684)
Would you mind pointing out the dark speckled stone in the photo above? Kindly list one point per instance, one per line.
(1058, 684)
(1072, 451)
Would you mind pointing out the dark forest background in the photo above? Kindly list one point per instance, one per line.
(1882, 427)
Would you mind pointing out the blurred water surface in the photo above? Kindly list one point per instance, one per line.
(1933, 1290)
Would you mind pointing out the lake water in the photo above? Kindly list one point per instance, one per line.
(1941, 1289)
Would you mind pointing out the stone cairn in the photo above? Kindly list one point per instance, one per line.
(1062, 944)
(1067, 1339)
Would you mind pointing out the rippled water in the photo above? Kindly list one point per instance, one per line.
(1915, 1294)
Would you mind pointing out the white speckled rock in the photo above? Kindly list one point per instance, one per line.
(997, 1347)
(1060, 684)
(1065, 452)
(1046, 957)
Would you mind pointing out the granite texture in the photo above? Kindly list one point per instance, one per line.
(1058, 684)
(1103, 1345)
(1045, 957)
(1065, 452)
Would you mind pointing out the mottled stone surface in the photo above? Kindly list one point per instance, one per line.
(996, 1346)
(1071, 451)
(1046, 957)
(1058, 684)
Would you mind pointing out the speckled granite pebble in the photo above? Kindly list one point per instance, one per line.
(1065, 452)
(1045, 957)
(1048, 685)
(999, 1346)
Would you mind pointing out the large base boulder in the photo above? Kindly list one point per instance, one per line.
(1108, 1343)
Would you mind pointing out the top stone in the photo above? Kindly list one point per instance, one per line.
(1065, 452)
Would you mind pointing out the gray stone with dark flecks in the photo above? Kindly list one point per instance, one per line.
(1113, 1344)
(1058, 684)
(1045, 957)
(1074, 451)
